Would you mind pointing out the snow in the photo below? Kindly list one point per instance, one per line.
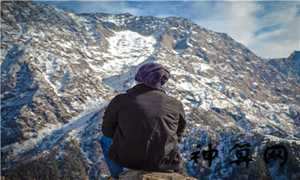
(126, 49)
(204, 49)
(18, 148)
(91, 104)
(47, 137)
(50, 67)
(188, 86)
(114, 20)
(200, 67)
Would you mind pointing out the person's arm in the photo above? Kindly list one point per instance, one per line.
(181, 123)
(110, 117)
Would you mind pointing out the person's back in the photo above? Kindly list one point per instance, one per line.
(145, 125)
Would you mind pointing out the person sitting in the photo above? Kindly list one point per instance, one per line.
(142, 127)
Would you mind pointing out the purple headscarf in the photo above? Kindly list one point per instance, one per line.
(153, 75)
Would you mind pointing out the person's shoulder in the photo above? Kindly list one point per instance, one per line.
(118, 98)
(175, 101)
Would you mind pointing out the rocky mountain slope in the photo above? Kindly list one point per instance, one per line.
(289, 66)
(59, 70)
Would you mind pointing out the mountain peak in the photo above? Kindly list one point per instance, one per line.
(295, 56)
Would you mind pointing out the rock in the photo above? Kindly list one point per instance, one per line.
(143, 175)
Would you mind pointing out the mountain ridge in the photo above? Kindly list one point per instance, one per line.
(289, 66)
(57, 68)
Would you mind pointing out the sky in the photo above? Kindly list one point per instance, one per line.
(271, 29)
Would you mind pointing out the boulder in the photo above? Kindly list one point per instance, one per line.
(144, 175)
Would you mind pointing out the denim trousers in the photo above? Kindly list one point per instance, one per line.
(114, 168)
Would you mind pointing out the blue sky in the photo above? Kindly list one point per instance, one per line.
(270, 29)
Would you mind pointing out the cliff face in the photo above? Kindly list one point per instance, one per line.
(289, 66)
(59, 70)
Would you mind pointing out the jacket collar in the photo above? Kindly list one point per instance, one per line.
(141, 88)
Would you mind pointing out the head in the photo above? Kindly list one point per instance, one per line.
(153, 75)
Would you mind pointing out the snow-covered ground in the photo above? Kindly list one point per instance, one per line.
(126, 49)
(52, 134)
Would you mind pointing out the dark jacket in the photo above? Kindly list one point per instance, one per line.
(146, 125)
